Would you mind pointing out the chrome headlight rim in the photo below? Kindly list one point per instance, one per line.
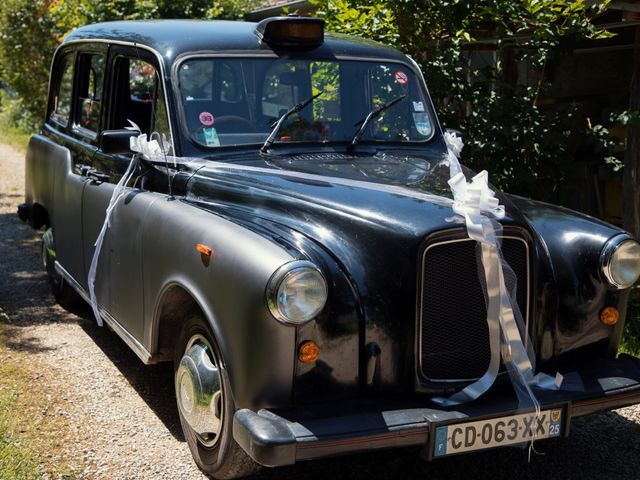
(607, 255)
(276, 280)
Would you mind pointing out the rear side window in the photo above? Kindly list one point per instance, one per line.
(90, 90)
(63, 89)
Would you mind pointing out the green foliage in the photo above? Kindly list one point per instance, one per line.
(25, 36)
(373, 20)
(30, 30)
(230, 9)
(507, 130)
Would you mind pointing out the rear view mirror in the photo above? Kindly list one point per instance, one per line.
(117, 141)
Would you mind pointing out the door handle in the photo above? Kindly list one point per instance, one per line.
(97, 176)
(83, 169)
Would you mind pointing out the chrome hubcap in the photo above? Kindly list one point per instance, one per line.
(199, 390)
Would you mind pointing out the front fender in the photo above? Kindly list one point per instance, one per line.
(258, 351)
(574, 292)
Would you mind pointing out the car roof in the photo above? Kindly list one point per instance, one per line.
(171, 38)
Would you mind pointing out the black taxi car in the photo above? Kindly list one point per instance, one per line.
(271, 209)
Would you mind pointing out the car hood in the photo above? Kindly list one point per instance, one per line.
(336, 194)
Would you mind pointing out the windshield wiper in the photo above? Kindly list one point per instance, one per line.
(276, 126)
(372, 114)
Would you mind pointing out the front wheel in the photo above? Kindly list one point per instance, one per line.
(205, 405)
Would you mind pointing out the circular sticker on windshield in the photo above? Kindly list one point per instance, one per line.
(206, 119)
(401, 78)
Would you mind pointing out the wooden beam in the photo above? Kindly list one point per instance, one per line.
(631, 180)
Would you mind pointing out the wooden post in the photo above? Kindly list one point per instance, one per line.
(631, 181)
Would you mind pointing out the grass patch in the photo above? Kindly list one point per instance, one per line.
(14, 137)
(15, 128)
(16, 460)
(28, 446)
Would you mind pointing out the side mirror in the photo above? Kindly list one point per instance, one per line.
(117, 141)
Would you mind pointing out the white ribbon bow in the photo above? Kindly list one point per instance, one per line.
(141, 144)
(475, 201)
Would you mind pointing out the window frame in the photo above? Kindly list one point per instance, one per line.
(76, 129)
(196, 146)
(55, 80)
(117, 52)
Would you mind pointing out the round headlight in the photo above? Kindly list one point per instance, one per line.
(297, 292)
(621, 261)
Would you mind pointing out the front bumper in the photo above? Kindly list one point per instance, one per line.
(283, 437)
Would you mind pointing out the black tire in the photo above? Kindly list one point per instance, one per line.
(64, 293)
(225, 459)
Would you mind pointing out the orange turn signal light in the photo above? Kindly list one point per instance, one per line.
(609, 316)
(204, 250)
(308, 351)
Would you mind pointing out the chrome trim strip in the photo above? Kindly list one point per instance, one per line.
(122, 332)
(153, 51)
(268, 54)
(422, 284)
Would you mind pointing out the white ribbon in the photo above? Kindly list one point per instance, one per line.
(477, 204)
(141, 144)
(137, 144)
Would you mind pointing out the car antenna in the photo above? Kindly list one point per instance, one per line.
(160, 139)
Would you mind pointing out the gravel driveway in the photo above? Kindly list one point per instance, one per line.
(121, 421)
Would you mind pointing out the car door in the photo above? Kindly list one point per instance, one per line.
(133, 87)
(61, 128)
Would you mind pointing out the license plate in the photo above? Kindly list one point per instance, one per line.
(496, 432)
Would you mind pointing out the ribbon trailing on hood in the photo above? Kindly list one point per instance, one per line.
(476, 203)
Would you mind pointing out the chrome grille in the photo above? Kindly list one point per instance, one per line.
(453, 332)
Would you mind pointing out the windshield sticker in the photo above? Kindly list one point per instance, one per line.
(422, 123)
(418, 107)
(206, 119)
(211, 136)
(401, 78)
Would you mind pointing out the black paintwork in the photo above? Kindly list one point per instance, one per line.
(375, 238)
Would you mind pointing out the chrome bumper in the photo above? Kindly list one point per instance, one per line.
(284, 437)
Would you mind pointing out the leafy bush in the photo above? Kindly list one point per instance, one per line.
(30, 30)
(26, 43)
(507, 130)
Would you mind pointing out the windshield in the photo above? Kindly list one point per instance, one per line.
(237, 101)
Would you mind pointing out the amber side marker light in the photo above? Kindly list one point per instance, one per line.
(609, 316)
(204, 250)
(308, 351)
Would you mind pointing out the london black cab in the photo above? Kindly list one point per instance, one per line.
(279, 213)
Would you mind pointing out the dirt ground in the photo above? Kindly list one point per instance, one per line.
(120, 416)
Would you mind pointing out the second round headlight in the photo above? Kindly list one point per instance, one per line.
(621, 262)
(297, 292)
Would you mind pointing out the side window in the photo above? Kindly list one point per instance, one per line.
(62, 91)
(139, 97)
(90, 90)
